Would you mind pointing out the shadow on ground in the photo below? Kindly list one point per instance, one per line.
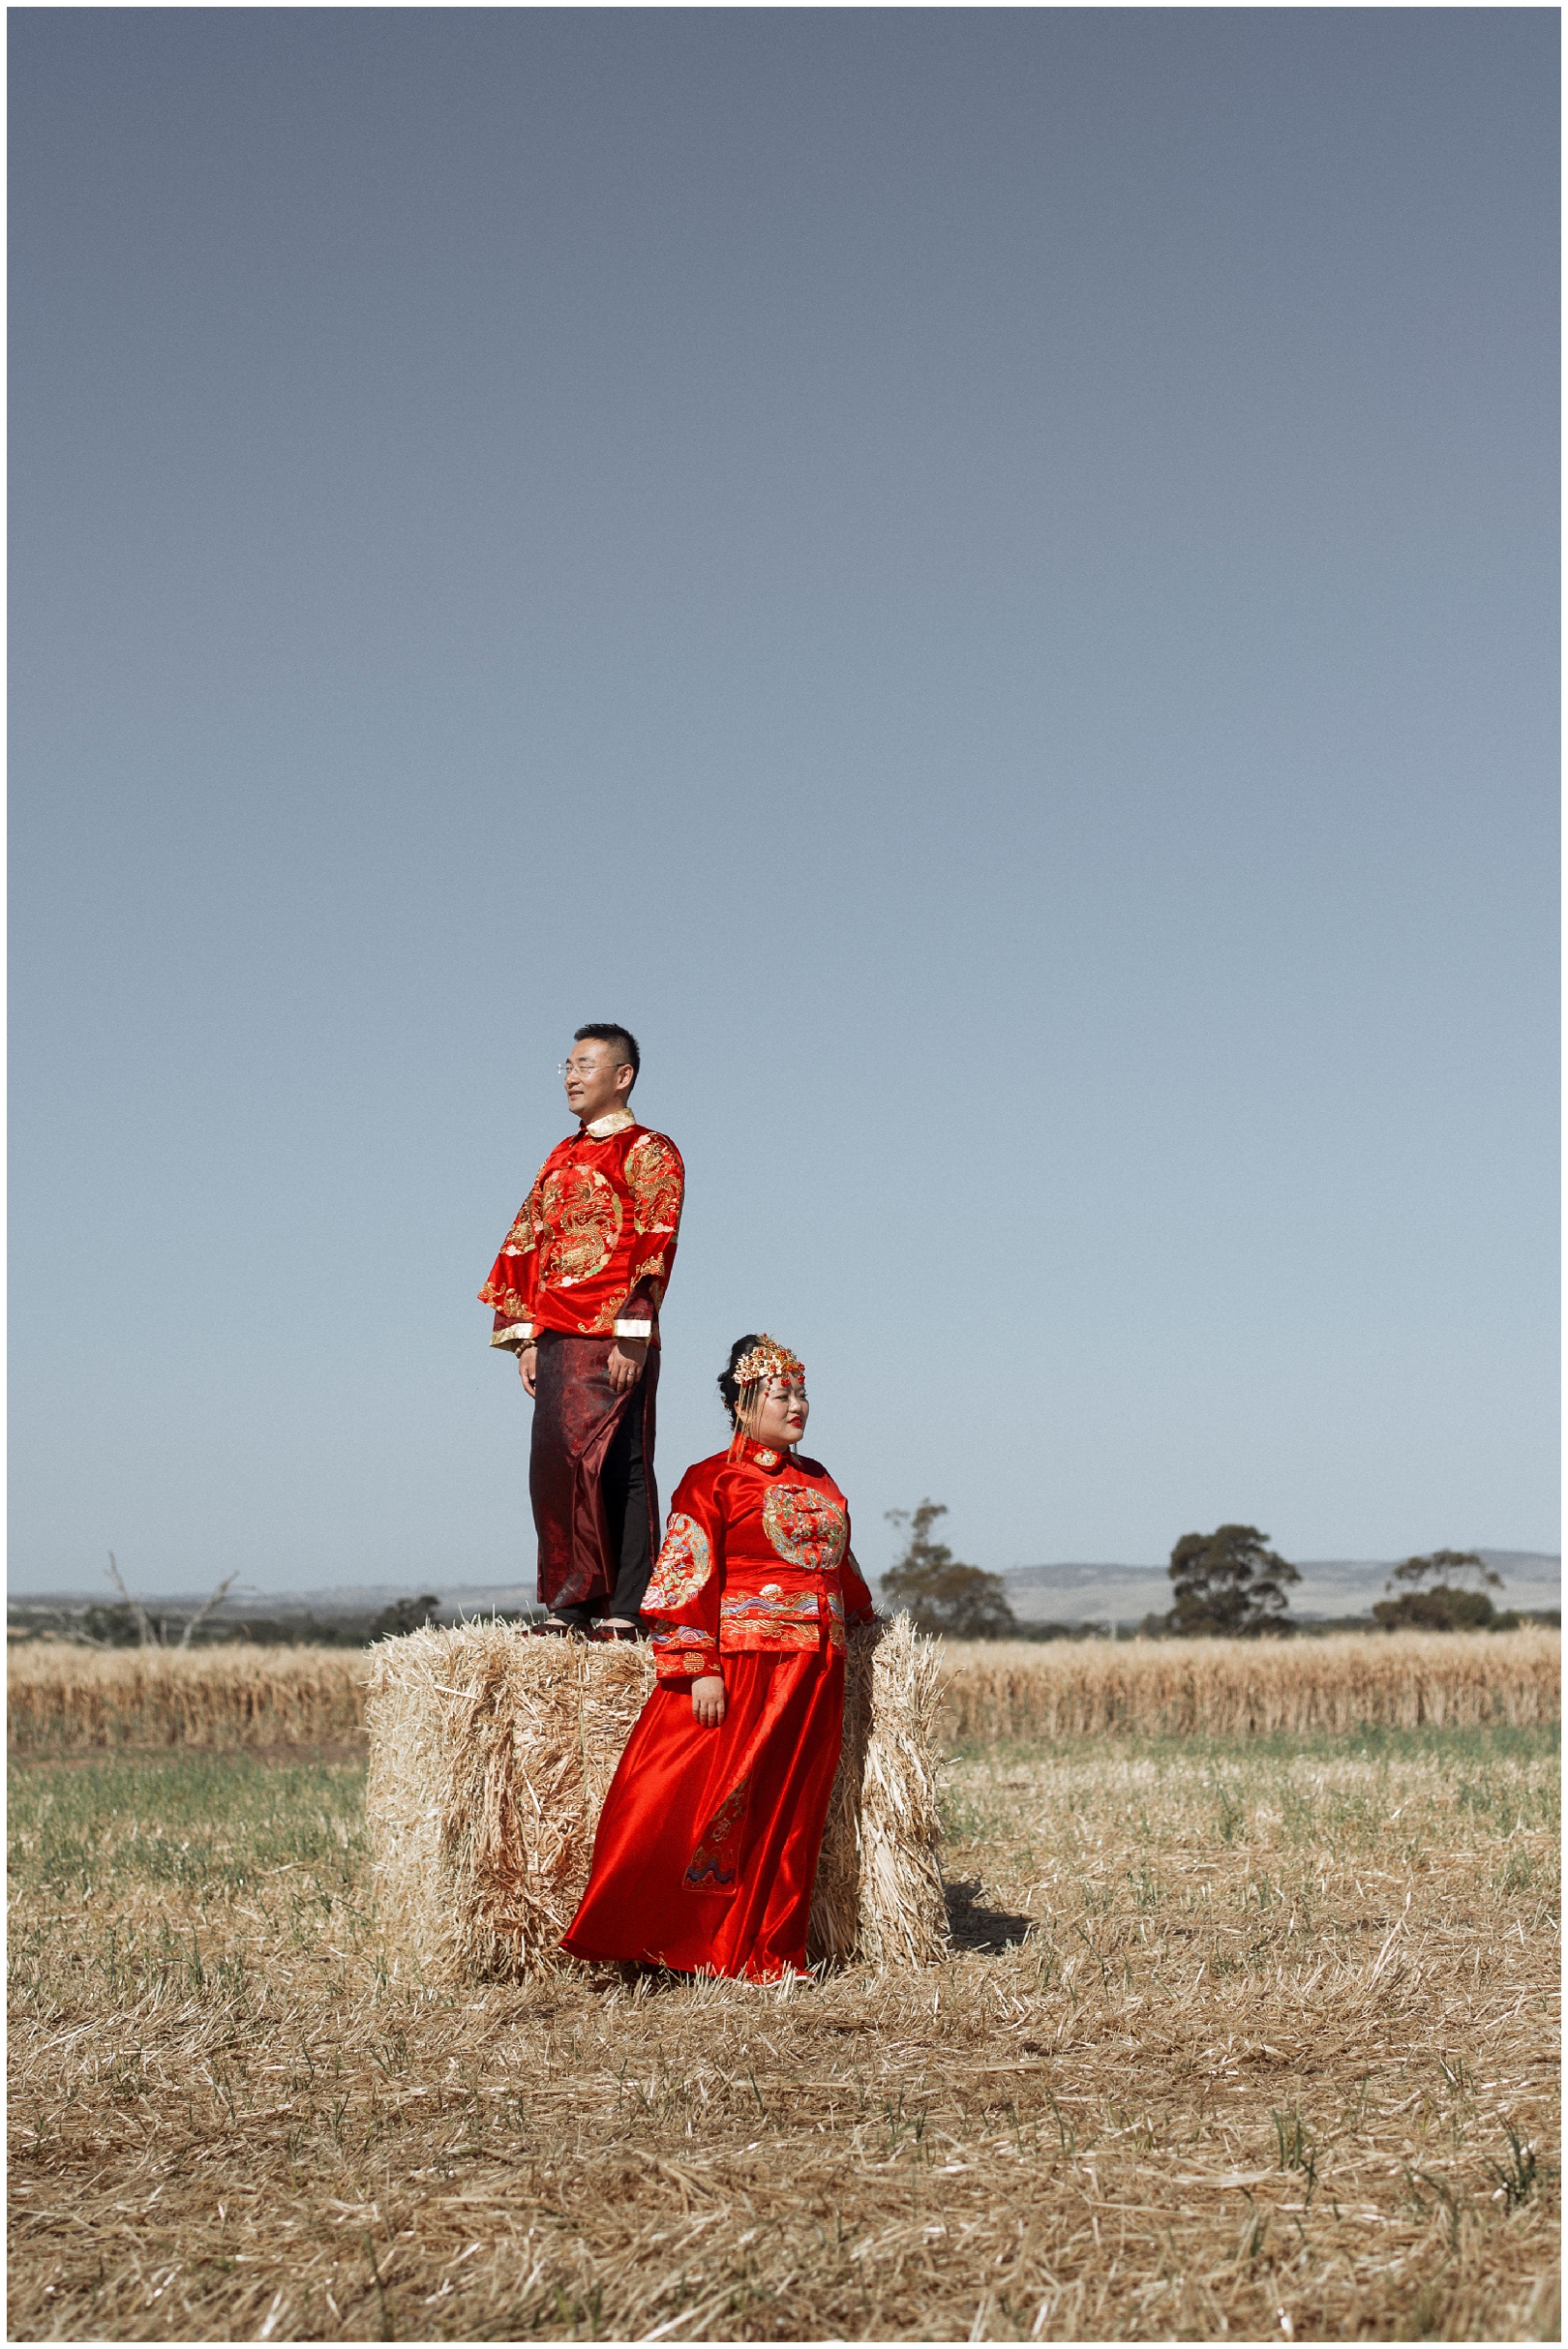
(974, 1927)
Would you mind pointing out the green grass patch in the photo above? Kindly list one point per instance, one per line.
(1488, 1743)
(204, 1821)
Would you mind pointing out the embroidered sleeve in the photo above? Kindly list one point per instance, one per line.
(513, 1277)
(681, 1601)
(656, 1179)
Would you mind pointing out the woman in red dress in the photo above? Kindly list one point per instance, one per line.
(709, 1839)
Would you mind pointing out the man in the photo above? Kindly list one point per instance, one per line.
(577, 1289)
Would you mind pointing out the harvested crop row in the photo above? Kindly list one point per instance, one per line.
(64, 1700)
(70, 1700)
(1008, 1690)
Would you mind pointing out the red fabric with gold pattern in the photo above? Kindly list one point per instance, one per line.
(708, 1843)
(593, 1242)
(756, 1560)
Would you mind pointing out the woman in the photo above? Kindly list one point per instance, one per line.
(709, 1839)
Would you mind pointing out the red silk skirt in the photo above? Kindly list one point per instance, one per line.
(708, 1843)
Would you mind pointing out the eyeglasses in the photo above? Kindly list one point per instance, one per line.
(582, 1067)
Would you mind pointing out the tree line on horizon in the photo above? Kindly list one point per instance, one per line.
(1227, 1585)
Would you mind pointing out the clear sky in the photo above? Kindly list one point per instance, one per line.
(986, 580)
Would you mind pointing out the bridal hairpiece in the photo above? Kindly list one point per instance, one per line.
(768, 1359)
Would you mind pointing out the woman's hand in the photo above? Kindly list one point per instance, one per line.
(707, 1701)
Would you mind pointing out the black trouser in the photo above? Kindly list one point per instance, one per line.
(623, 1486)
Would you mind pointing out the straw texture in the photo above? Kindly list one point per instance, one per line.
(882, 1826)
(490, 1755)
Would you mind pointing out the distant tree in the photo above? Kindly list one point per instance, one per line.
(1431, 1593)
(146, 1636)
(109, 1627)
(942, 1594)
(208, 1607)
(404, 1616)
(1449, 1569)
(1228, 1585)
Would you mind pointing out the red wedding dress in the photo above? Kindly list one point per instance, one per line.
(709, 1839)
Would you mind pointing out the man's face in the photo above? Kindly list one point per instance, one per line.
(597, 1079)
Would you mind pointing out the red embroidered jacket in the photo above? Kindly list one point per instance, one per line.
(757, 1556)
(593, 1242)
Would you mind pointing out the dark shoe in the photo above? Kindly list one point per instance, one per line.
(549, 1629)
(627, 1632)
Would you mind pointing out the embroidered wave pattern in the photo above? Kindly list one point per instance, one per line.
(806, 1526)
(717, 1861)
(682, 1566)
(769, 1619)
(681, 1652)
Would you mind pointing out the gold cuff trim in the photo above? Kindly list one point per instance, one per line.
(515, 1336)
(634, 1328)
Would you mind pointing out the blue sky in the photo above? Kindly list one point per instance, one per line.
(984, 580)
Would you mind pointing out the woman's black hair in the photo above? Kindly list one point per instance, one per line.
(729, 1386)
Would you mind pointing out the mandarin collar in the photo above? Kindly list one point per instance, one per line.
(766, 1456)
(603, 1128)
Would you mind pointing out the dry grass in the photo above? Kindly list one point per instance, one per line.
(1239, 1688)
(65, 1699)
(70, 1700)
(491, 1754)
(1248, 2041)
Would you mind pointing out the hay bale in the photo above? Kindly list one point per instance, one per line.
(903, 1913)
(877, 1895)
(490, 1755)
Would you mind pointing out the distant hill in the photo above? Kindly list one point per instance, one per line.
(1327, 1586)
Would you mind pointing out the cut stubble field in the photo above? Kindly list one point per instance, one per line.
(1249, 2038)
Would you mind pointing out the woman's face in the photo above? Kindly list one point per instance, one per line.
(779, 1415)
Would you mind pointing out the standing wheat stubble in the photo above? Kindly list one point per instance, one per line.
(998, 1690)
(62, 1699)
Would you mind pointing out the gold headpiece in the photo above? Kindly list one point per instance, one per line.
(770, 1358)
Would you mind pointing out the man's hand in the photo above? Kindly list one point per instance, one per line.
(626, 1359)
(527, 1366)
(707, 1701)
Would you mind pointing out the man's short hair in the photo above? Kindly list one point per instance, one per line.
(621, 1039)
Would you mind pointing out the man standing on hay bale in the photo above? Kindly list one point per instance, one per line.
(709, 1839)
(576, 1290)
